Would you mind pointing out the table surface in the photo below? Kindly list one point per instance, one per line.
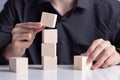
(64, 72)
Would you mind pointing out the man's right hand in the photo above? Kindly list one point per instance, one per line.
(22, 37)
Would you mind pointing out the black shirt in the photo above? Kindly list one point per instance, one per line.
(77, 29)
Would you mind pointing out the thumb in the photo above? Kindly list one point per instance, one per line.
(36, 30)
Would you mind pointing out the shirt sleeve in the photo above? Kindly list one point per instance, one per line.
(115, 29)
(7, 21)
(117, 36)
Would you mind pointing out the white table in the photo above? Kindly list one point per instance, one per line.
(64, 72)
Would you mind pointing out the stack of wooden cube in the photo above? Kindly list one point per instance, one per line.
(49, 42)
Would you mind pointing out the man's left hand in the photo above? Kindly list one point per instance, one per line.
(104, 53)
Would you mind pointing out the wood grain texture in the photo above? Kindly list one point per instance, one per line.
(80, 63)
(49, 19)
(18, 64)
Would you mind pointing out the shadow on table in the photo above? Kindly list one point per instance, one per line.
(4, 70)
(35, 68)
(70, 67)
(63, 67)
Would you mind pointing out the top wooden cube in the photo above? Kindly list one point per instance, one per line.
(49, 19)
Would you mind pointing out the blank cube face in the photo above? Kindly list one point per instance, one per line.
(12, 65)
(80, 63)
(77, 62)
(49, 63)
(48, 49)
(50, 36)
(18, 64)
(85, 65)
(49, 19)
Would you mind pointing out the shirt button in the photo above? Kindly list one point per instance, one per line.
(60, 43)
(64, 18)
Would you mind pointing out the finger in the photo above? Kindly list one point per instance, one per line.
(107, 63)
(39, 29)
(105, 54)
(35, 26)
(98, 57)
(30, 25)
(26, 44)
(93, 46)
(22, 44)
(21, 30)
(22, 37)
(113, 60)
(99, 48)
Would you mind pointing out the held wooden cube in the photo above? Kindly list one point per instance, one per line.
(18, 64)
(80, 63)
(49, 19)
(49, 49)
(50, 36)
(49, 63)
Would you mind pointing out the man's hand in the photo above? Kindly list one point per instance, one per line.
(103, 53)
(22, 37)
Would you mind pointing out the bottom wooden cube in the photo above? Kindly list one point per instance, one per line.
(80, 63)
(18, 64)
(49, 63)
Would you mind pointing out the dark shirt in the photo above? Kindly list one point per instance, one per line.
(77, 29)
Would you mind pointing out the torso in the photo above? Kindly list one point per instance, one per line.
(77, 28)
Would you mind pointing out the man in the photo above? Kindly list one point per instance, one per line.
(85, 27)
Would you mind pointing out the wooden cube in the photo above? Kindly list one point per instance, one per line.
(80, 63)
(49, 19)
(48, 49)
(18, 64)
(49, 63)
(50, 36)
